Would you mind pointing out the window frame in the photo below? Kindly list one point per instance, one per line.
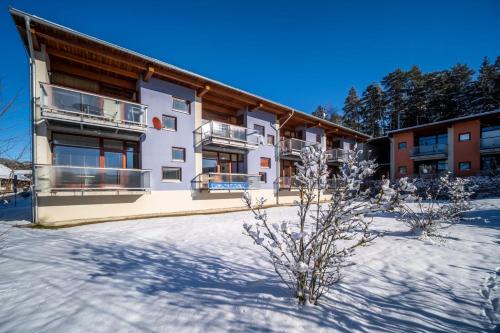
(405, 169)
(265, 159)
(183, 154)
(256, 128)
(319, 138)
(402, 145)
(464, 133)
(464, 162)
(273, 141)
(163, 123)
(263, 173)
(164, 180)
(188, 103)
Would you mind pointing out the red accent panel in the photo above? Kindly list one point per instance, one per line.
(157, 123)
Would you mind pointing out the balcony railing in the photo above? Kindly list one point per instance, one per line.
(337, 155)
(214, 181)
(54, 178)
(490, 143)
(289, 183)
(429, 150)
(294, 146)
(223, 134)
(76, 106)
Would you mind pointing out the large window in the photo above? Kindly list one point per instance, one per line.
(85, 151)
(223, 162)
(433, 140)
(181, 105)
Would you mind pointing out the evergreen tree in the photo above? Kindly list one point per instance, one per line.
(373, 114)
(352, 110)
(485, 98)
(320, 112)
(395, 93)
(334, 115)
(459, 90)
(417, 101)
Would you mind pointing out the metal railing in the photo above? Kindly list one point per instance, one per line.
(82, 106)
(490, 143)
(337, 155)
(214, 181)
(294, 146)
(427, 150)
(227, 134)
(72, 178)
(335, 183)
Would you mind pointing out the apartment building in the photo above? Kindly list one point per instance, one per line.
(465, 146)
(117, 134)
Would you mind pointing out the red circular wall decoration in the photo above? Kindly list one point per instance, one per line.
(157, 123)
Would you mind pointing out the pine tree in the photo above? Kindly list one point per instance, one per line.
(485, 98)
(334, 115)
(373, 114)
(320, 112)
(352, 110)
(395, 93)
(417, 101)
(459, 90)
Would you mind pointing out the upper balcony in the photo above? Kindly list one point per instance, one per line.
(79, 107)
(429, 152)
(217, 135)
(293, 147)
(337, 155)
(490, 145)
(74, 179)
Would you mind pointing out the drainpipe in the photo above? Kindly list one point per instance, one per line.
(277, 128)
(34, 204)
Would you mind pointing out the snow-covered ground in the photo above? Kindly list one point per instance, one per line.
(201, 274)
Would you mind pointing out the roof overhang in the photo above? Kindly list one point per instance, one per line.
(90, 57)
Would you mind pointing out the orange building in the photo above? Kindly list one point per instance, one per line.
(465, 146)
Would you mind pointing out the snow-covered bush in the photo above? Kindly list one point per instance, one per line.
(428, 213)
(308, 254)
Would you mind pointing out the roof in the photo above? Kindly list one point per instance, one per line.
(445, 122)
(123, 57)
(7, 173)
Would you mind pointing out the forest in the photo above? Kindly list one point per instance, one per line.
(409, 98)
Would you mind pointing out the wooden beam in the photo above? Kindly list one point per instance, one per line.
(149, 74)
(92, 63)
(72, 70)
(204, 90)
(36, 44)
(224, 101)
(218, 109)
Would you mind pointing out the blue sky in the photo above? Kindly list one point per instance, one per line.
(299, 53)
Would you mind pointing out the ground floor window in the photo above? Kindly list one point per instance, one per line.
(218, 162)
(171, 174)
(490, 162)
(86, 151)
(288, 168)
(432, 167)
(464, 166)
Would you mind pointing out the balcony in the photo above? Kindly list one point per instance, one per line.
(337, 155)
(289, 183)
(78, 107)
(293, 147)
(222, 136)
(56, 178)
(227, 182)
(490, 145)
(429, 152)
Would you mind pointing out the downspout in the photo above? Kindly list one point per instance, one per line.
(34, 203)
(277, 128)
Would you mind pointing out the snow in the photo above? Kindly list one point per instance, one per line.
(201, 274)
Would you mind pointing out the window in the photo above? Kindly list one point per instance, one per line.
(181, 105)
(270, 139)
(402, 145)
(223, 162)
(464, 137)
(178, 154)
(260, 130)
(263, 177)
(318, 138)
(402, 170)
(171, 174)
(170, 123)
(464, 166)
(265, 162)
